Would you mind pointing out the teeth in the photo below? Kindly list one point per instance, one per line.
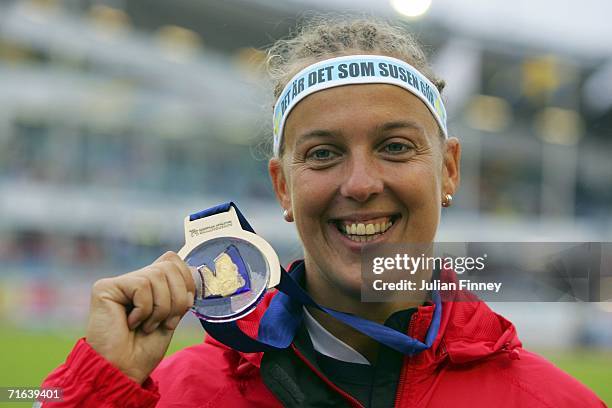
(361, 238)
(361, 229)
(365, 232)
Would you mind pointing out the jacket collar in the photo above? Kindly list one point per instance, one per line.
(469, 330)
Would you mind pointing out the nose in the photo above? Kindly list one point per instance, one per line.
(362, 180)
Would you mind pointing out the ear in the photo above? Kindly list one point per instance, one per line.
(280, 183)
(450, 170)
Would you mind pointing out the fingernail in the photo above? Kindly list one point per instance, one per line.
(152, 327)
(132, 323)
(191, 298)
(173, 322)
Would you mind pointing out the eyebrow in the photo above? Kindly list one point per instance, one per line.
(385, 127)
(315, 133)
(401, 124)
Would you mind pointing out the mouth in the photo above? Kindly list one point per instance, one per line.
(365, 230)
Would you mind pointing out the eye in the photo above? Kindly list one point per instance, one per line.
(396, 148)
(321, 154)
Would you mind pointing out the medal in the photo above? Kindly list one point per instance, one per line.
(232, 268)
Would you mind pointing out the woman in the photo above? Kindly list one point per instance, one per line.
(355, 163)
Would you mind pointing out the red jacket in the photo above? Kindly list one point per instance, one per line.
(476, 361)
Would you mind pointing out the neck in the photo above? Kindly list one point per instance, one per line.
(327, 294)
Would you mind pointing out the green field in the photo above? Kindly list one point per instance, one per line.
(28, 356)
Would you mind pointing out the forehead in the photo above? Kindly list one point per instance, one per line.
(358, 106)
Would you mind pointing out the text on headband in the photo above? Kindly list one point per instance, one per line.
(355, 69)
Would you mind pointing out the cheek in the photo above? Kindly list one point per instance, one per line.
(312, 193)
(418, 190)
(418, 180)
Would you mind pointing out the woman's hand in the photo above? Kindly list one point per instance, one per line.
(132, 317)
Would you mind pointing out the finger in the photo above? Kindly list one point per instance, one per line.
(187, 275)
(184, 269)
(179, 296)
(167, 256)
(162, 302)
(140, 293)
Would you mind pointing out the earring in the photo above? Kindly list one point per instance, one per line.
(447, 201)
(288, 217)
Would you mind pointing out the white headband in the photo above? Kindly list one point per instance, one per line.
(355, 69)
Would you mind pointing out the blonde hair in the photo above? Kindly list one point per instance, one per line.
(324, 37)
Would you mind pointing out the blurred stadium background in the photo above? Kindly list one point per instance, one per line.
(119, 117)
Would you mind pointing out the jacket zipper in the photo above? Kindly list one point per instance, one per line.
(404, 373)
(354, 402)
(513, 353)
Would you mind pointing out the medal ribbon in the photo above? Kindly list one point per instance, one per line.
(283, 317)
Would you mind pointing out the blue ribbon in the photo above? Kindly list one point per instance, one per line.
(283, 317)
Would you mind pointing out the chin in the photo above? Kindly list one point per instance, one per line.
(349, 282)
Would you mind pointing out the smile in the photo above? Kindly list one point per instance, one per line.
(365, 230)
